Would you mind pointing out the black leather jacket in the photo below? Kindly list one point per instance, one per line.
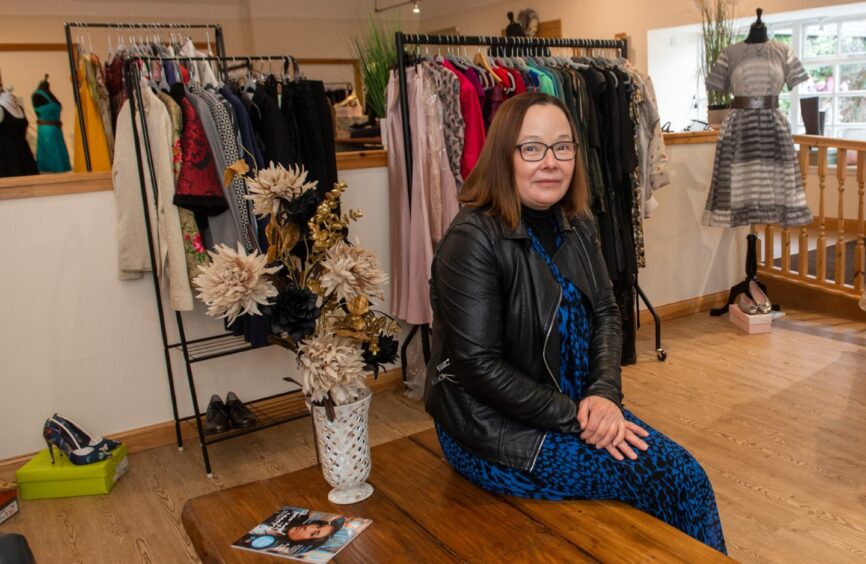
(493, 379)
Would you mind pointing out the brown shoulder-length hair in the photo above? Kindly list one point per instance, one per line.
(491, 182)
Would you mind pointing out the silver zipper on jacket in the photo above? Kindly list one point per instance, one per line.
(547, 337)
(537, 452)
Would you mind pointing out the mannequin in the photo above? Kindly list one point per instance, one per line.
(758, 31)
(44, 97)
(16, 157)
(514, 29)
(51, 152)
(756, 174)
(10, 103)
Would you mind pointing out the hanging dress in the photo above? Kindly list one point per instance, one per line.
(51, 154)
(665, 481)
(97, 142)
(756, 176)
(16, 158)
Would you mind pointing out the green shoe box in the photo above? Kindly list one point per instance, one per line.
(39, 479)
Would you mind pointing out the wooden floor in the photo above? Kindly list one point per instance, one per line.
(778, 421)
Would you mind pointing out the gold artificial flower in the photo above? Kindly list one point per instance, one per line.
(234, 282)
(277, 183)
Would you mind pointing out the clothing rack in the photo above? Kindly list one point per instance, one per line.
(69, 26)
(520, 43)
(195, 350)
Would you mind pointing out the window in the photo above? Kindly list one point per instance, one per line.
(833, 51)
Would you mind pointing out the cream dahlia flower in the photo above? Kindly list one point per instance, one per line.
(277, 183)
(352, 271)
(331, 365)
(233, 283)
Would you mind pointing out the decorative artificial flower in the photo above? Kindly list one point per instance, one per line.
(332, 367)
(234, 282)
(276, 183)
(349, 271)
(295, 312)
(386, 354)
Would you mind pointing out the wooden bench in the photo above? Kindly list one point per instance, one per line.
(423, 511)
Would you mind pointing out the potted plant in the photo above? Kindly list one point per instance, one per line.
(717, 33)
(318, 291)
(377, 54)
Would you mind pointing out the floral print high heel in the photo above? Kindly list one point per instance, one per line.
(56, 434)
(85, 438)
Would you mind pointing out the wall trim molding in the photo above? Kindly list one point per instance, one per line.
(162, 434)
(686, 307)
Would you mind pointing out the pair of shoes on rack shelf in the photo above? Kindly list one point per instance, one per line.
(77, 444)
(232, 414)
(755, 301)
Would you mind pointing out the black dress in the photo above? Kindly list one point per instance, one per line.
(16, 158)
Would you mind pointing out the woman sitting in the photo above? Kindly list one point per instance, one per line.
(524, 382)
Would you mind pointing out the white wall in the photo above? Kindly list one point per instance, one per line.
(684, 258)
(75, 339)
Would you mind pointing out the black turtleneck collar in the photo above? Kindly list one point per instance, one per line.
(543, 226)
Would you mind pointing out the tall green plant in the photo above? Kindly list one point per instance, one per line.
(717, 31)
(378, 53)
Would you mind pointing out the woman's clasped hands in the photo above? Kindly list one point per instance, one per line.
(604, 426)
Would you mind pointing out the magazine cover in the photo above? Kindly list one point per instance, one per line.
(302, 534)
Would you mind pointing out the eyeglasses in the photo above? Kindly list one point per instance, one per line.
(536, 151)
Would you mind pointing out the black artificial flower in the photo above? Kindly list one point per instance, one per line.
(300, 210)
(294, 312)
(386, 355)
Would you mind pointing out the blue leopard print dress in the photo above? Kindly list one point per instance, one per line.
(665, 481)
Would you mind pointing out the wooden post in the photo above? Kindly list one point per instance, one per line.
(821, 251)
(803, 244)
(860, 253)
(841, 169)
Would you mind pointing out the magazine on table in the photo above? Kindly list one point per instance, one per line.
(303, 534)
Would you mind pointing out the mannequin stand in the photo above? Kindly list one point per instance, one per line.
(751, 275)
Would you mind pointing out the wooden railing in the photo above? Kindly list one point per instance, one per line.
(819, 181)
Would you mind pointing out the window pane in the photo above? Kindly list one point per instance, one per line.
(852, 77)
(785, 106)
(856, 133)
(820, 40)
(852, 109)
(854, 37)
(820, 79)
(782, 35)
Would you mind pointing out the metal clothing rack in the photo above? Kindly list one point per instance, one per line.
(68, 26)
(195, 350)
(522, 43)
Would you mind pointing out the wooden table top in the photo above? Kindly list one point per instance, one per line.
(423, 511)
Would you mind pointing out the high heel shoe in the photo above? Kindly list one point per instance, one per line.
(762, 302)
(85, 438)
(56, 434)
(746, 305)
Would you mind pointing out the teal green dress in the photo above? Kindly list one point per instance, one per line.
(51, 154)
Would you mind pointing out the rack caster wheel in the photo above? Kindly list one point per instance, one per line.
(661, 355)
(210, 475)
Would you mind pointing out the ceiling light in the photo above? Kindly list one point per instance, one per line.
(416, 9)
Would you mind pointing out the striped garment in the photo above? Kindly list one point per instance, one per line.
(756, 177)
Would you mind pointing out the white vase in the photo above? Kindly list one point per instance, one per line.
(344, 449)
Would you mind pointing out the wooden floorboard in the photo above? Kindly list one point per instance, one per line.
(778, 421)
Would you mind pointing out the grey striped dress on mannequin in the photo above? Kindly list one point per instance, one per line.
(756, 177)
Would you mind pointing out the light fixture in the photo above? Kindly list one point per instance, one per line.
(416, 9)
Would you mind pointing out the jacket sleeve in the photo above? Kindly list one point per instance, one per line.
(605, 351)
(468, 294)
